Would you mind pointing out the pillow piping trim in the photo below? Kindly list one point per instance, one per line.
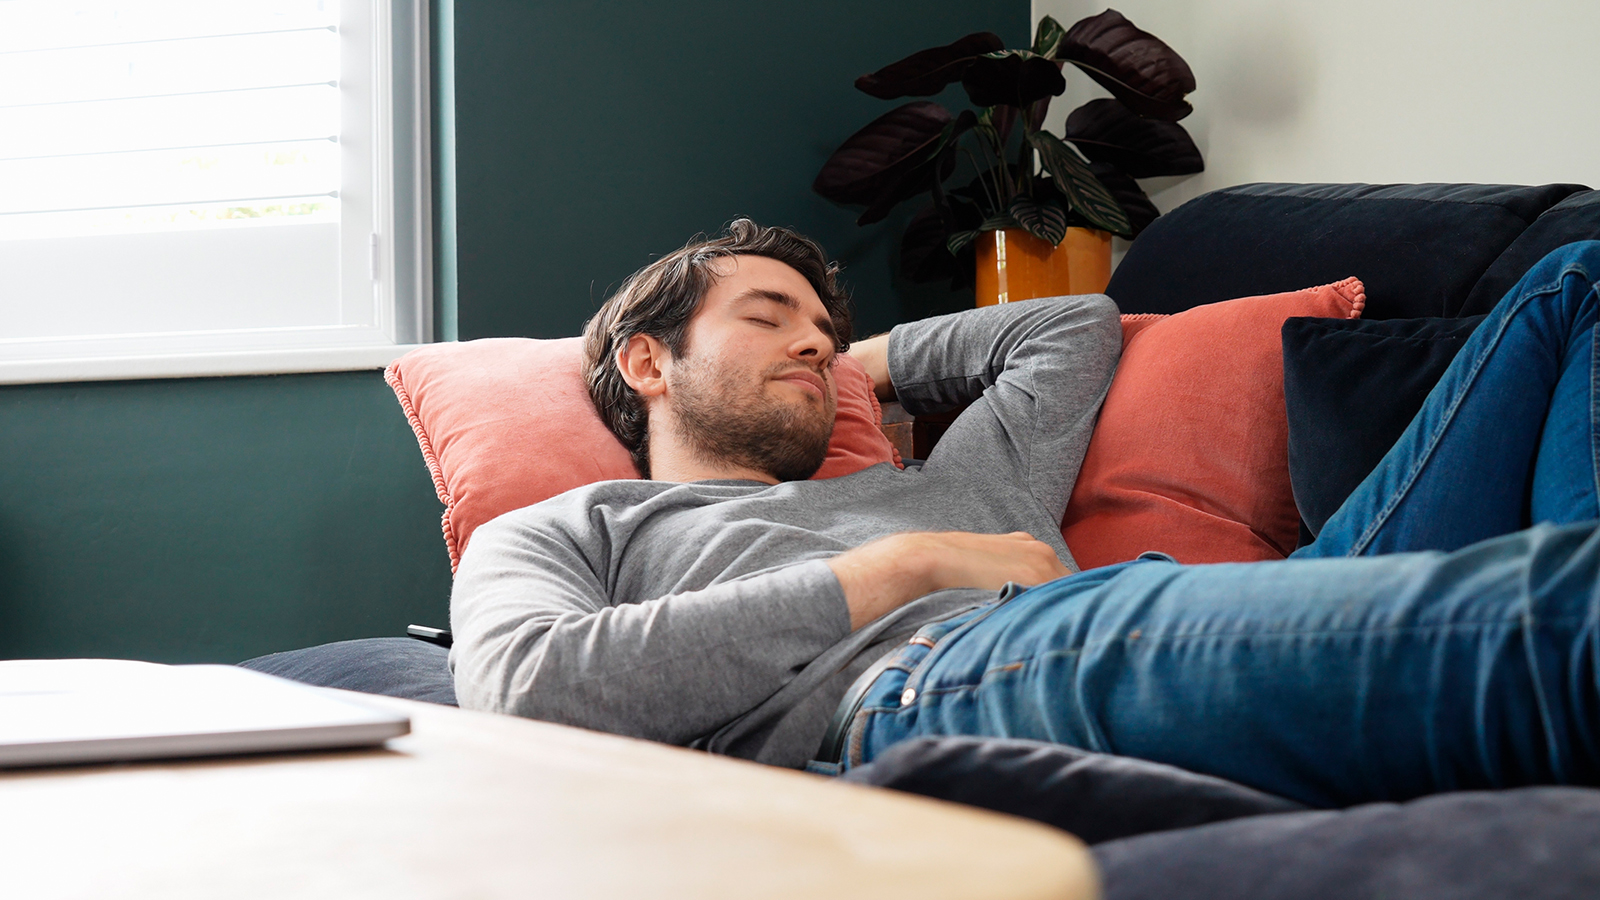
(436, 471)
(1357, 299)
(1358, 302)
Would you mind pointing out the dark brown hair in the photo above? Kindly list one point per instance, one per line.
(661, 298)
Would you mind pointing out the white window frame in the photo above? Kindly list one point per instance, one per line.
(394, 266)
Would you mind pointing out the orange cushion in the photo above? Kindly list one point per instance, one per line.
(1191, 453)
(507, 422)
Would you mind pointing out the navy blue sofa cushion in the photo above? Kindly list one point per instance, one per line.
(1420, 249)
(1095, 796)
(1351, 386)
(1529, 844)
(394, 667)
(1161, 832)
(1575, 218)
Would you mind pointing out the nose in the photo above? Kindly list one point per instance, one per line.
(813, 345)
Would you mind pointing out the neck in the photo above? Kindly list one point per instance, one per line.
(671, 460)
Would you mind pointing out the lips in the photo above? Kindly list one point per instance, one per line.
(808, 379)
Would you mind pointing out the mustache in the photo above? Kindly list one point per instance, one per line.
(778, 370)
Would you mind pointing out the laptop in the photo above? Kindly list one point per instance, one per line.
(57, 711)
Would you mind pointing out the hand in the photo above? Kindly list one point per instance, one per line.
(873, 354)
(886, 574)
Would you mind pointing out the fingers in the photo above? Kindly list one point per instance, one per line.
(891, 571)
(992, 560)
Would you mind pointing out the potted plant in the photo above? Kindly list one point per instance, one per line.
(1036, 203)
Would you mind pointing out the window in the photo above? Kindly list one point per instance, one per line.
(191, 187)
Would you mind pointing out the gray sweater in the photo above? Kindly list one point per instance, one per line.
(705, 614)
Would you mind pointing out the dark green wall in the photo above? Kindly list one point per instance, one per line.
(212, 519)
(217, 519)
(594, 136)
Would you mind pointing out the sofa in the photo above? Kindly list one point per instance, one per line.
(1359, 297)
(1433, 259)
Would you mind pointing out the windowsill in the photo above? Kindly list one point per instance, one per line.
(202, 365)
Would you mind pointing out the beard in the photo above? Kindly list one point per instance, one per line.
(728, 418)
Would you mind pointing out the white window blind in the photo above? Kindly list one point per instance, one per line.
(204, 188)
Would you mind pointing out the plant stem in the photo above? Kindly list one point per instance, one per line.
(1005, 171)
(1025, 161)
(984, 184)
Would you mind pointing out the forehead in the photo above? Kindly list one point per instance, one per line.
(740, 278)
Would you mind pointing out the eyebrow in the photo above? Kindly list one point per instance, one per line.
(789, 302)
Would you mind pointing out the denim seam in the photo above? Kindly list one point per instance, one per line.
(919, 672)
(1594, 404)
(1525, 622)
(1409, 481)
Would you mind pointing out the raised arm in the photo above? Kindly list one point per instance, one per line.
(873, 354)
(1035, 373)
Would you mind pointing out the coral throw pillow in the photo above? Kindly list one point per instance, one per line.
(1191, 453)
(507, 422)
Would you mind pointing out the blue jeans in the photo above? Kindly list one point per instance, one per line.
(1430, 640)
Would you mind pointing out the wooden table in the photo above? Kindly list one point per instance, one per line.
(478, 806)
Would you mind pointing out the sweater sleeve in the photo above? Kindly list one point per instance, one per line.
(1035, 373)
(538, 634)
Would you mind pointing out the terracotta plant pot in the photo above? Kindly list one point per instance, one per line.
(1015, 265)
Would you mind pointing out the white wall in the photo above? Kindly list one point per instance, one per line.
(1503, 91)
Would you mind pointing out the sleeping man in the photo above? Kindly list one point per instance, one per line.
(1429, 640)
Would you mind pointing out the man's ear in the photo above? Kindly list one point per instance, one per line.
(643, 362)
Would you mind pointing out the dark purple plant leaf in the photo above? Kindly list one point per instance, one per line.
(1036, 112)
(961, 240)
(1045, 40)
(923, 255)
(1048, 36)
(998, 221)
(1002, 119)
(878, 155)
(1133, 200)
(1108, 131)
(1040, 218)
(928, 72)
(1044, 187)
(1085, 194)
(908, 183)
(1012, 78)
(1134, 65)
(965, 218)
(914, 175)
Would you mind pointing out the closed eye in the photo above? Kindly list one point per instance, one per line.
(763, 322)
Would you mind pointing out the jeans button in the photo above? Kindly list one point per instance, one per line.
(908, 696)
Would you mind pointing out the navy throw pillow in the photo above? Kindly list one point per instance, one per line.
(1351, 387)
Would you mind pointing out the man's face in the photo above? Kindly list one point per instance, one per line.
(755, 384)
